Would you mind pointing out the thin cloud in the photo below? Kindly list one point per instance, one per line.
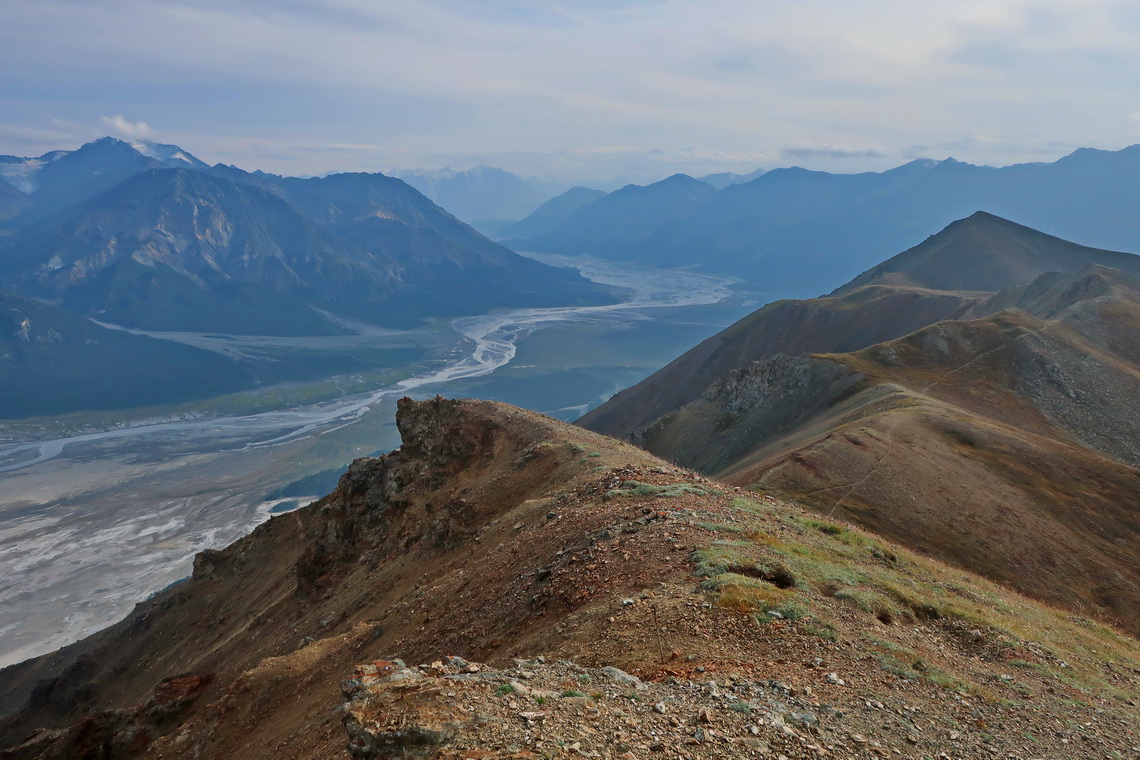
(121, 127)
(832, 151)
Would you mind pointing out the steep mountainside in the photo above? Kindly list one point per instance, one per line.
(63, 178)
(53, 361)
(172, 249)
(989, 416)
(854, 320)
(494, 533)
(12, 201)
(552, 214)
(443, 266)
(796, 232)
(621, 220)
(175, 249)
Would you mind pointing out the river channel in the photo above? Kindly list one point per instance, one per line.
(94, 522)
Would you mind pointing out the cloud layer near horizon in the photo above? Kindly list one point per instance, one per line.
(582, 89)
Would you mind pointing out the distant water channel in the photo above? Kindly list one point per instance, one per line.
(92, 523)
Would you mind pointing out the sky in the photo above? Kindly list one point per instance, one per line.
(574, 90)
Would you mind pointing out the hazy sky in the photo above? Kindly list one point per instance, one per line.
(577, 89)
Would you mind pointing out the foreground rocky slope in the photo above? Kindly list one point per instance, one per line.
(674, 616)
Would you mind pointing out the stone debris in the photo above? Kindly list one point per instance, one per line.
(456, 709)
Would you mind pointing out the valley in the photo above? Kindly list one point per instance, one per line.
(98, 513)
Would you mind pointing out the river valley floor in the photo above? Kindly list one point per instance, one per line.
(98, 513)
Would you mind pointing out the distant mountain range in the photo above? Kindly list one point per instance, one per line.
(481, 194)
(619, 222)
(794, 232)
(145, 235)
(977, 396)
(502, 204)
(552, 214)
(721, 180)
(117, 234)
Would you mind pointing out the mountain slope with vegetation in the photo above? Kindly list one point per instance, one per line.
(917, 412)
(698, 619)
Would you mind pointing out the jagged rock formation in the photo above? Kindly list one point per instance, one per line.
(957, 421)
(747, 625)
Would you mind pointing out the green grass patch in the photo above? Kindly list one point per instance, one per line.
(669, 490)
(825, 631)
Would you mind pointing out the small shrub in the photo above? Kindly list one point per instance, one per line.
(741, 707)
(826, 528)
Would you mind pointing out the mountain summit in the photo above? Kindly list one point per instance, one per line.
(986, 253)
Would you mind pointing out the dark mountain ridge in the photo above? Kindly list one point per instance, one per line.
(90, 170)
(174, 249)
